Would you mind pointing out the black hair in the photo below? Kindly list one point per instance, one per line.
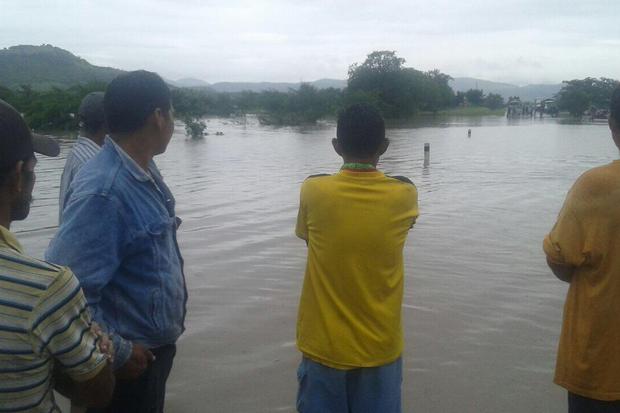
(131, 98)
(360, 130)
(614, 106)
(15, 143)
(91, 126)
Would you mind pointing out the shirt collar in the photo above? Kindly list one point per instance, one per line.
(133, 167)
(83, 140)
(8, 239)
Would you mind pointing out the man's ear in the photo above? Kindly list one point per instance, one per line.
(384, 146)
(336, 146)
(160, 118)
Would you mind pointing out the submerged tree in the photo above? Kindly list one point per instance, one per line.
(579, 95)
(399, 91)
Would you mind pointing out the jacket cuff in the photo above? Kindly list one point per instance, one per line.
(122, 351)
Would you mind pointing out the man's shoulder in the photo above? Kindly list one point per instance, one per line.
(30, 273)
(401, 179)
(98, 175)
(316, 180)
(599, 181)
(313, 177)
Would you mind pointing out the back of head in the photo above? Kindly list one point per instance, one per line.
(15, 138)
(131, 98)
(360, 130)
(91, 114)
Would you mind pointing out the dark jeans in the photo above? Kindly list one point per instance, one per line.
(580, 404)
(145, 394)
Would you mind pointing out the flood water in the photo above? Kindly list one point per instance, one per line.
(482, 313)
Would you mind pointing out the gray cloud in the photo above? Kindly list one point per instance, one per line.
(518, 41)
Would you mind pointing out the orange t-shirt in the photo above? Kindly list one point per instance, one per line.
(587, 236)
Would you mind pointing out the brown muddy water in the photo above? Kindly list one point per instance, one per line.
(481, 311)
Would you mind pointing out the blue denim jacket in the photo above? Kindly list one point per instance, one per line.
(118, 235)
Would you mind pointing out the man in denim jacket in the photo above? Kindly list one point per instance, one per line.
(118, 235)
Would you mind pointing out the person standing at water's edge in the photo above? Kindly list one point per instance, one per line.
(46, 336)
(355, 224)
(583, 249)
(92, 133)
(119, 235)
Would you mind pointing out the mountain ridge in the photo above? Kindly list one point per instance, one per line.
(46, 66)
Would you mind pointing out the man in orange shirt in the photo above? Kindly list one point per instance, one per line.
(583, 249)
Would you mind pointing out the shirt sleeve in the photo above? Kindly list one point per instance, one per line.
(91, 241)
(60, 327)
(301, 228)
(564, 245)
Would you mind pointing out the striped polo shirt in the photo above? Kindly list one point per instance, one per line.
(43, 319)
(83, 150)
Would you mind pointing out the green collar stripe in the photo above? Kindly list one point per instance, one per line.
(356, 165)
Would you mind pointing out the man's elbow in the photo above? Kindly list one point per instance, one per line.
(562, 272)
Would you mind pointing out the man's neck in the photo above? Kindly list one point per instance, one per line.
(137, 151)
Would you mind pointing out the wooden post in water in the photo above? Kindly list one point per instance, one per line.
(427, 154)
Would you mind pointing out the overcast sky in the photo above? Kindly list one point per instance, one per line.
(518, 41)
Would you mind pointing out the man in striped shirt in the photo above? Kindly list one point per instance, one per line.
(46, 337)
(93, 131)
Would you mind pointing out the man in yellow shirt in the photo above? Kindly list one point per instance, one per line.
(355, 224)
(583, 249)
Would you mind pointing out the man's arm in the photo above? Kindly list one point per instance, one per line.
(61, 328)
(96, 392)
(90, 241)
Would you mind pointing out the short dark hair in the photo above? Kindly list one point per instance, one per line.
(614, 106)
(360, 130)
(15, 140)
(132, 97)
(91, 115)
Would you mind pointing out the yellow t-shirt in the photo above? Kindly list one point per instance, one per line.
(587, 236)
(356, 224)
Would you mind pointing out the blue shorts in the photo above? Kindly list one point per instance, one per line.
(324, 389)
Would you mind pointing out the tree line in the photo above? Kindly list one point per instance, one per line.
(382, 80)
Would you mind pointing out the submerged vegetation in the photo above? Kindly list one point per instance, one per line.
(383, 80)
(589, 94)
(49, 110)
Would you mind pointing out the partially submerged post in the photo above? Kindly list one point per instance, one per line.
(427, 154)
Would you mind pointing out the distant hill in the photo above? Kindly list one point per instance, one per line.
(188, 82)
(526, 93)
(46, 66)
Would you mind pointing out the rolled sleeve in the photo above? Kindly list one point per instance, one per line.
(122, 351)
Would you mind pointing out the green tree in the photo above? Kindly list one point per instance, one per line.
(399, 91)
(579, 95)
(475, 97)
(494, 101)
